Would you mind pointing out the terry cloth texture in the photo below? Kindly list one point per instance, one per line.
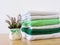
(44, 22)
(46, 27)
(44, 36)
(40, 31)
(44, 17)
(42, 27)
(43, 13)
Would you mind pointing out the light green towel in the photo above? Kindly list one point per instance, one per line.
(44, 22)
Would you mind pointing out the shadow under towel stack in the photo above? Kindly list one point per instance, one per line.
(42, 26)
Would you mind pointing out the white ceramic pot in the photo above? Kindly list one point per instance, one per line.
(14, 34)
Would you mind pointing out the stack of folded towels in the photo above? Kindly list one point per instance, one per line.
(43, 26)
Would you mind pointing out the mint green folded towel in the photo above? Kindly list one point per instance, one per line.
(44, 22)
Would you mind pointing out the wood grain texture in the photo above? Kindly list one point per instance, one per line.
(4, 40)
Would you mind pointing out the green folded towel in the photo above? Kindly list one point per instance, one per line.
(44, 22)
(41, 31)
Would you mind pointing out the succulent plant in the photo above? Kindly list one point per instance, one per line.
(13, 22)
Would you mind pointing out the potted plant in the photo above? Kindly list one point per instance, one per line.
(14, 26)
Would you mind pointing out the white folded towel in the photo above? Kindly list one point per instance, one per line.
(46, 36)
(46, 27)
(44, 17)
(42, 13)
